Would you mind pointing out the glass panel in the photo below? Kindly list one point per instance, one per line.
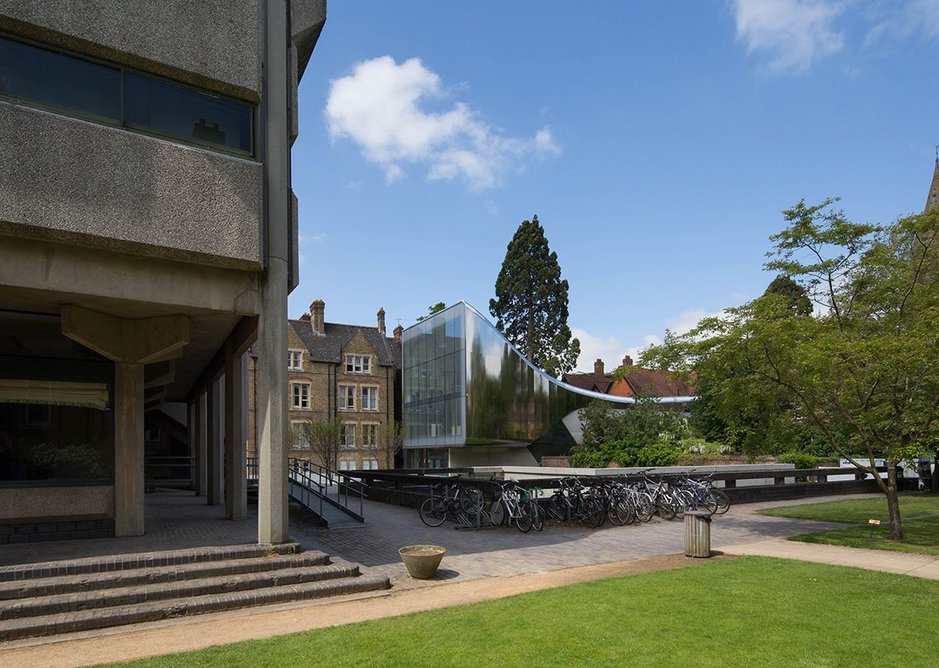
(54, 79)
(186, 113)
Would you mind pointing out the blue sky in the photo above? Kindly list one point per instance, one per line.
(656, 141)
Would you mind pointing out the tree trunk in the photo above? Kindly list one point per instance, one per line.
(893, 502)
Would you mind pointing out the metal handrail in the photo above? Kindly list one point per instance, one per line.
(323, 481)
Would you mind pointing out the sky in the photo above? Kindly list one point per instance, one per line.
(657, 142)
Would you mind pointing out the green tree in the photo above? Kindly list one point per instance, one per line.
(863, 375)
(643, 434)
(530, 307)
(436, 308)
(795, 295)
(321, 437)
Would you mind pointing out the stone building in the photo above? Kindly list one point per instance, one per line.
(148, 237)
(346, 375)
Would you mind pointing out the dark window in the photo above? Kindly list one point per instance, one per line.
(186, 113)
(115, 95)
(56, 80)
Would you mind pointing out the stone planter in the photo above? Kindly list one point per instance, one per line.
(422, 560)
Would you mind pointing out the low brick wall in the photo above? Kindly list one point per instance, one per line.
(33, 530)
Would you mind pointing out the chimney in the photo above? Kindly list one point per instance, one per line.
(398, 331)
(627, 361)
(381, 321)
(598, 369)
(318, 314)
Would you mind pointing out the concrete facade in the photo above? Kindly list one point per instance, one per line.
(165, 258)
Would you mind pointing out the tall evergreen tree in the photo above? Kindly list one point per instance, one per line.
(794, 296)
(530, 307)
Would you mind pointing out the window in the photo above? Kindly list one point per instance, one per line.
(300, 395)
(346, 465)
(295, 360)
(347, 435)
(117, 96)
(358, 364)
(347, 397)
(369, 464)
(369, 398)
(298, 436)
(370, 435)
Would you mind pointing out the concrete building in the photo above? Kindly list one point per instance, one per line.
(148, 237)
(344, 392)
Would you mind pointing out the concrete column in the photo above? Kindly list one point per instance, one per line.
(236, 493)
(213, 460)
(272, 323)
(201, 452)
(129, 507)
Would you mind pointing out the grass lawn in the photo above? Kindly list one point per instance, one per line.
(749, 611)
(920, 513)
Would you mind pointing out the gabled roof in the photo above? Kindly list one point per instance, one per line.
(652, 383)
(329, 347)
(644, 382)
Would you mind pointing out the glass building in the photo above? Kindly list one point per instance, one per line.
(471, 398)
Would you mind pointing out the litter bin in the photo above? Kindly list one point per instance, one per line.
(697, 533)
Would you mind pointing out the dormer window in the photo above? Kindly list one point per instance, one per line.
(358, 364)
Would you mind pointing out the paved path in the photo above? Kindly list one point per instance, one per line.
(479, 565)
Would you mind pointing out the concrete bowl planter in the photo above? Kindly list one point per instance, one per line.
(422, 560)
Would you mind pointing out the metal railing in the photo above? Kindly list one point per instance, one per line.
(164, 471)
(312, 486)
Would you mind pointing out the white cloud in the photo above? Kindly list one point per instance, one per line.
(900, 21)
(792, 33)
(383, 107)
(610, 349)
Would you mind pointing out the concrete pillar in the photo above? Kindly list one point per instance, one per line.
(129, 507)
(236, 493)
(272, 323)
(213, 459)
(130, 344)
(201, 453)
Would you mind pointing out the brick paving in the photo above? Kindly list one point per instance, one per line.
(180, 521)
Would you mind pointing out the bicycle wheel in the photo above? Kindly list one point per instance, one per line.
(433, 512)
(537, 518)
(645, 508)
(472, 501)
(497, 513)
(591, 514)
(621, 513)
(524, 520)
(721, 499)
(556, 508)
(664, 508)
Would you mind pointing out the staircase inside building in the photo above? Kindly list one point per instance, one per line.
(91, 593)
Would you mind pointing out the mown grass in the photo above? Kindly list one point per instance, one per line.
(919, 512)
(750, 611)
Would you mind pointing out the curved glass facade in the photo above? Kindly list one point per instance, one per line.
(464, 384)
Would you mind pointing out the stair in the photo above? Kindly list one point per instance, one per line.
(98, 592)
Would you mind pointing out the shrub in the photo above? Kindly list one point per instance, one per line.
(800, 459)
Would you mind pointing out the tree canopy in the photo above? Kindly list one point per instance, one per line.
(530, 307)
(862, 375)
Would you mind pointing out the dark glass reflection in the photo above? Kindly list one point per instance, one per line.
(57, 80)
(186, 113)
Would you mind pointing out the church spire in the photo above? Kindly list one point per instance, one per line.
(932, 200)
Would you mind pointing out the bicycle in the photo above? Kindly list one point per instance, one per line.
(456, 500)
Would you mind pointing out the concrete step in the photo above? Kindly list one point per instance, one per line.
(122, 562)
(88, 582)
(85, 620)
(86, 600)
